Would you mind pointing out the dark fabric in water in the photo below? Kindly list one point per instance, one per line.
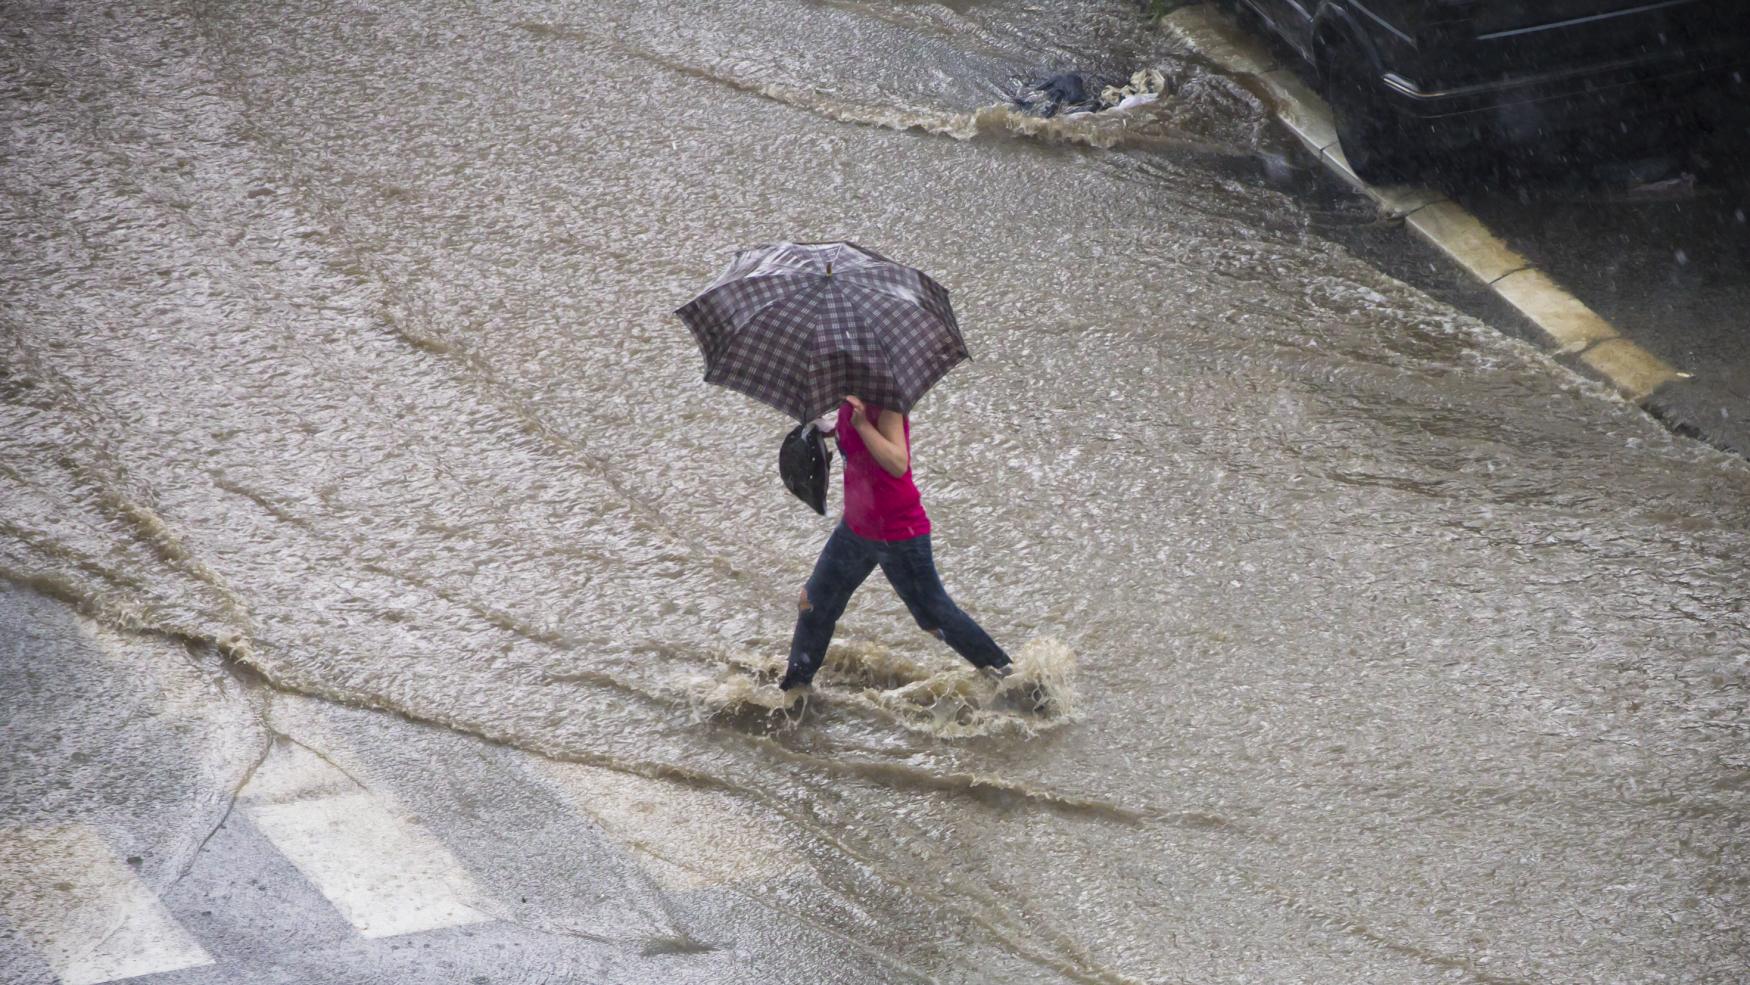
(805, 463)
(1066, 92)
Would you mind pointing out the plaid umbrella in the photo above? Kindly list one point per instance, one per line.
(799, 325)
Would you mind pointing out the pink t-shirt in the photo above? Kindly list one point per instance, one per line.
(878, 506)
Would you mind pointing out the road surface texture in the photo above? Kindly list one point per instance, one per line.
(386, 600)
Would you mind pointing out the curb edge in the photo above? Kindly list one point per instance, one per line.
(1568, 325)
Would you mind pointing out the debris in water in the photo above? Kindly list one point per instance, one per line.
(1066, 92)
(1072, 93)
(1145, 87)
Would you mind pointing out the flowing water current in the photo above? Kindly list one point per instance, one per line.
(1367, 643)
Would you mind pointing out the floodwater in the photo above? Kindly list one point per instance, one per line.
(1378, 647)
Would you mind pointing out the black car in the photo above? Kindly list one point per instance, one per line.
(1406, 75)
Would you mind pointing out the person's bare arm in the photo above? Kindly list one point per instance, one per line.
(885, 438)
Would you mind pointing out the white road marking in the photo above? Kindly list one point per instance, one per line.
(91, 918)
(385, 874)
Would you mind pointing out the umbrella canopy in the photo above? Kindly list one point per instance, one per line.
(799, 325)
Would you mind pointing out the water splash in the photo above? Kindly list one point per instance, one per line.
(950, 701)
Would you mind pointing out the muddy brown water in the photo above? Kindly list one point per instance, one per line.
(336, 339)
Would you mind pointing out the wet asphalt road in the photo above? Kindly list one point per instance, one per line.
(354, 632)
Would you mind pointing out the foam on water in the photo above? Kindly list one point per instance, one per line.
(947, 700)
(1198, 112)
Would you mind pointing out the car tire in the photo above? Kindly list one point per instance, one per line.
(1373, 139)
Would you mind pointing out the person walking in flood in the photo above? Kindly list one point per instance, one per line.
(884, 525)
(797, 326)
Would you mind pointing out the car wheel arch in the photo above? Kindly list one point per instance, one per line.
(1335, 29)
(1351, 74)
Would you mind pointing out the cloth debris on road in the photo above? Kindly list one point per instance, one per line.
(1075, 93)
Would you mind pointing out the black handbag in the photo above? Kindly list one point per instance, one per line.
(805, 462)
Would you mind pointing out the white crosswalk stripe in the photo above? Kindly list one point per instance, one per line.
(90, 917)
(386, 875)
(93, 920)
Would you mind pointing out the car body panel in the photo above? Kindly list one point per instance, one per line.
(1562, 62)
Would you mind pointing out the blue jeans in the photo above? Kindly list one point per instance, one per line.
(844, 562)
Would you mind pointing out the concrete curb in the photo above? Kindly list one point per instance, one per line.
(1569, 327)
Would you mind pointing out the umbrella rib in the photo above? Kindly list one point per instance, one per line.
(916, 300)
(953, 329)
(805, 297)
(886, 354)
(800, 387)
(755, 313)
(802, 382)
(726, 338)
